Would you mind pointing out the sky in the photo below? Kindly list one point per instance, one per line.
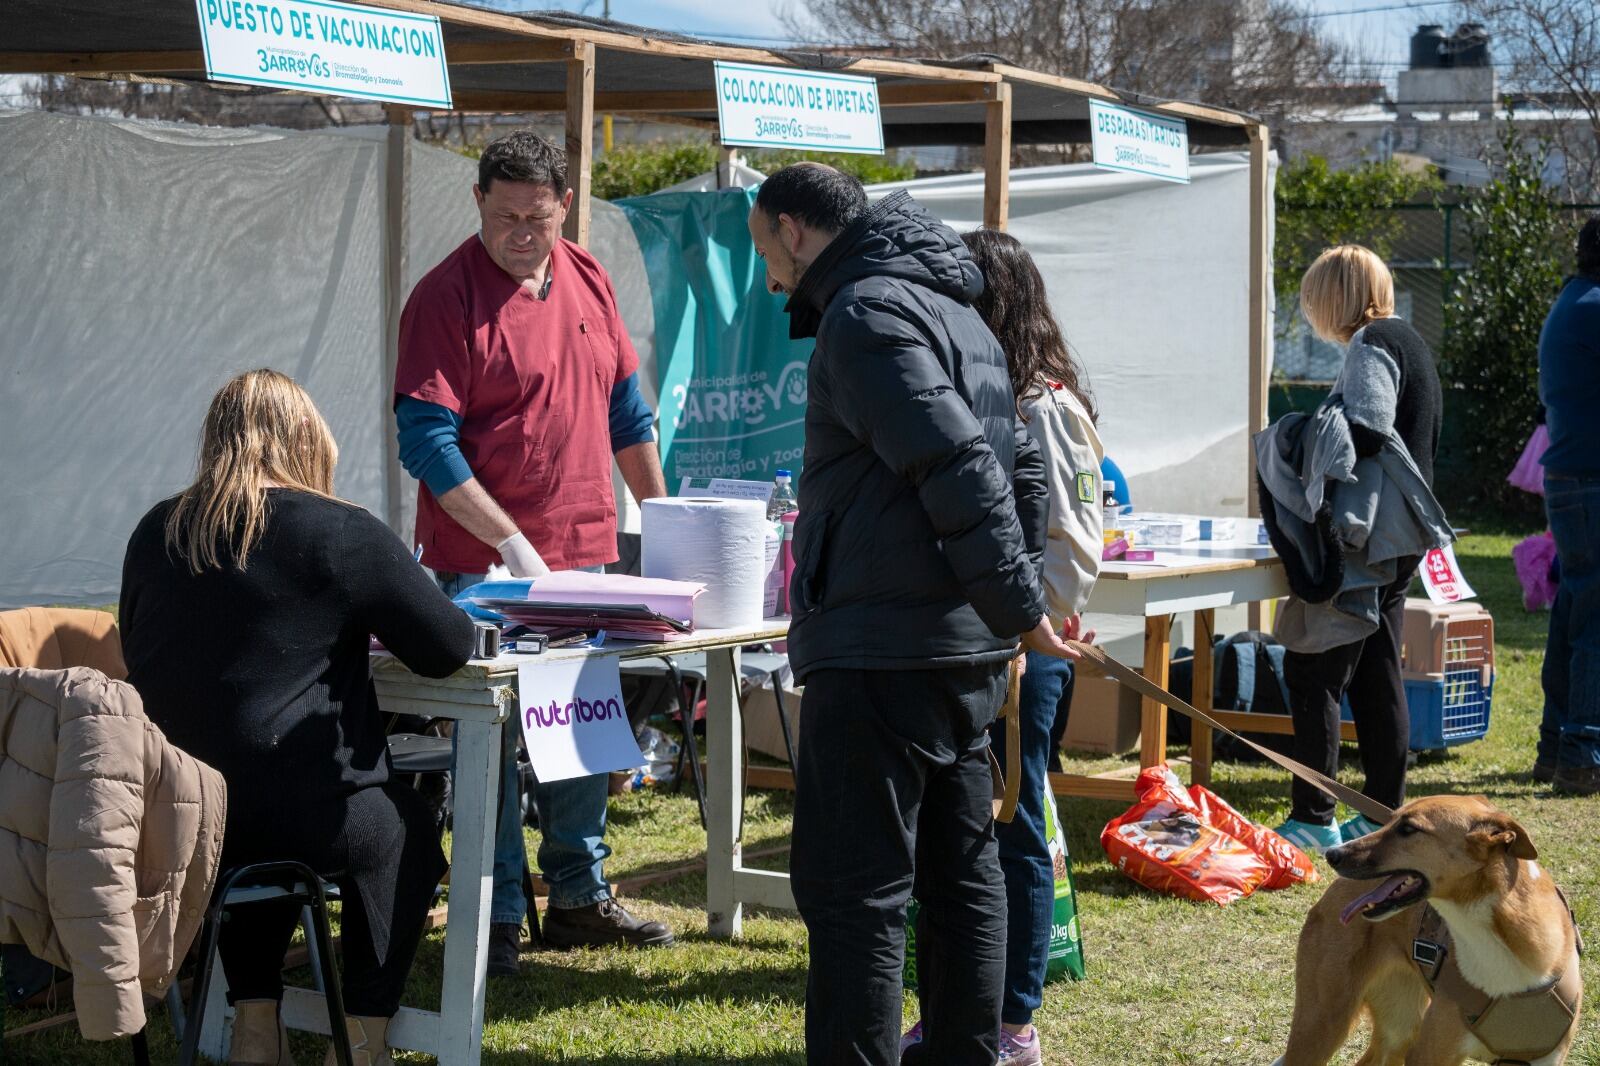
(1379, 30)
(1380, 36)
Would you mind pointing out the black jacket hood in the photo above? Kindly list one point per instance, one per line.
(896, 238)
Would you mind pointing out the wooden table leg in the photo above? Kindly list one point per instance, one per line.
(1152, 715)
(1205, 628)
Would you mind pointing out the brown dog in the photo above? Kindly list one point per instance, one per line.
(1365, 945)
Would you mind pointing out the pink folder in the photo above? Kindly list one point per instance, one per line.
(675, 599)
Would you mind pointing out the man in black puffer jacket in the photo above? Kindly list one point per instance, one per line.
(922, 519)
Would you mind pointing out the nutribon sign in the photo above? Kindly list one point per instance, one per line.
(573, 719)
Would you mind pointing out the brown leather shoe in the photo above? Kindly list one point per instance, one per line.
(1544, 772)
(599, 925)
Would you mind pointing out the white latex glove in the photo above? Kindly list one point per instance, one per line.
(520, 557)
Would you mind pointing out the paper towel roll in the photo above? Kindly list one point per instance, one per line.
(719, 543)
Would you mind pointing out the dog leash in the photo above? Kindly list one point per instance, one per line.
(1150, 690)
(1011, 714)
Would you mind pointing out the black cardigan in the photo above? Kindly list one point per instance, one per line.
(1419, 407)
(263, 672)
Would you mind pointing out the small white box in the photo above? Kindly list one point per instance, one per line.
(1158, 529)
(1154, 530)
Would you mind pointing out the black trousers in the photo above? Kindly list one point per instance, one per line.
(893, 794)
(1369, 672)
(381, 847)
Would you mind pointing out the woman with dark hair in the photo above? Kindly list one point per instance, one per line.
(248, 605)
(1054, 402)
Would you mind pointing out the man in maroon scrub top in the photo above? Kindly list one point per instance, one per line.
(516, 386)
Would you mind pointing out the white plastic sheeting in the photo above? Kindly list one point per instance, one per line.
(1150, 282)
(726, 176)
(145, 264)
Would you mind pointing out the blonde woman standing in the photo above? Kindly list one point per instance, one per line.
(247, 604)
(1348, 298)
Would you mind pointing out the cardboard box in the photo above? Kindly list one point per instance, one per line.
(762, 731)
(1104, 719)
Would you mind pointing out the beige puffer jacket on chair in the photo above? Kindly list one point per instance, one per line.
(110, 839)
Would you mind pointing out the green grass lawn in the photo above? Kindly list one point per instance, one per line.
(1169, 981)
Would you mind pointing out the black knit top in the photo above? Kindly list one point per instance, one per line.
(1419, 409)
(263, 673)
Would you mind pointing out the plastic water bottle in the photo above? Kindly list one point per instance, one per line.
(783, 498)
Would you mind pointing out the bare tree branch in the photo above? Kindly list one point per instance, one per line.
(1550, 53)
(1256, 55)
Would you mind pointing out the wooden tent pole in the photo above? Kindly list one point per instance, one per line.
(396, 260)
(1260, 319)
(580, 140)
(1260, 286)
(997, 159)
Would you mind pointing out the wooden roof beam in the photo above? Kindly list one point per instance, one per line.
(702, 100)
(101, 62)
(469, 53)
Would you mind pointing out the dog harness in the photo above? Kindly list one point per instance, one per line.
(1518, 1029)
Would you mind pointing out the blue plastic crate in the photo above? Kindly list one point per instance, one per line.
(1452, 710)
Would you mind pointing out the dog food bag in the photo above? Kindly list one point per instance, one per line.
(1066, 946)
(1290, 865)
(1164, 843)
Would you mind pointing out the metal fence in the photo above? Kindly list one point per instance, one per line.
(1433, 246)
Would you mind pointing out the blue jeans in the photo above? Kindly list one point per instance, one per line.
(1024, 851)
(1569, 736)
(572, 827)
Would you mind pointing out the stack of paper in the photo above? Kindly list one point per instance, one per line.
(627, 608)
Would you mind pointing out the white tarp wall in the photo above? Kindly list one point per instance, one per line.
(145, 264)
(1150, 282)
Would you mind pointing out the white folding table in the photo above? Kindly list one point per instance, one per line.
(481, 699)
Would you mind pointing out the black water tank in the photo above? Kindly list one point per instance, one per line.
(1470, 46)
(1427, 48)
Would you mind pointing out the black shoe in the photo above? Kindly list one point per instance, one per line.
(1544, 772)
(505, 950)
(599, 925)
(1575, 781)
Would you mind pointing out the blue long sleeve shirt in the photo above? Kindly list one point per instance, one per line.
(1569, 379)
(430, 435)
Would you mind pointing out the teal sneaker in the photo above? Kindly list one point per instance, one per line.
(1314, 839)
(1356, 828)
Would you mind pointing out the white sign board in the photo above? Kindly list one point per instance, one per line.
(1442, 577)
(1139, 141)
(323, 46)
(774, 107)
(724, 488)
(573, 718)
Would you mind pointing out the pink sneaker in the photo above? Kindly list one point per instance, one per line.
(1016, 1051)
(912, 1037)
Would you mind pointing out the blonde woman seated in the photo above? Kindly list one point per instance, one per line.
(247, 602)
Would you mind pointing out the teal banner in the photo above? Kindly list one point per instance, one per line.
(732, 384)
